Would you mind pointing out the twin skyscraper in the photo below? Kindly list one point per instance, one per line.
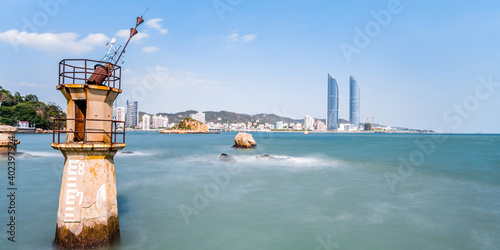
(332, 121)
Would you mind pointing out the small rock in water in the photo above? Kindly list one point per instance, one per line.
(262, 156)
(226, 158)
(127, 152)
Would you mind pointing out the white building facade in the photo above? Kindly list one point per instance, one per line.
(200, 116)
(309, 122)
(159, 121)
(120, 116)
(279, 125)
(146, 122)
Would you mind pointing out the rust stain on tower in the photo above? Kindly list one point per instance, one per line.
(89, 139)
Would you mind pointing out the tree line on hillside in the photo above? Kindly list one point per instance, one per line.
(15, 108)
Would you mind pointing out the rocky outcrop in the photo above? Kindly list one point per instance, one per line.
(193, 125)
(7, 139)
(244, 140)
(187, 126)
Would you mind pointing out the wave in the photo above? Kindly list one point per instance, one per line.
(29, 154)
(291, 161)
(133, 153)
(276, 161)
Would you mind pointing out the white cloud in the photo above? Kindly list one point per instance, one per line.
(125, 34)
(160, 69)
(248, 38)
(149, 49)
(235, 37)
(160, 77)
(30, 85)
(61, 42)
(154, 23)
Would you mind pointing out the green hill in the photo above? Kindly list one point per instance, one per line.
(15, 108)
(232, 117)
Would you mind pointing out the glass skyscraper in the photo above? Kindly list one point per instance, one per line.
(332, 120)
(354, 102)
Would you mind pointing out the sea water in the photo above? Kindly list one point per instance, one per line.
(318, 191)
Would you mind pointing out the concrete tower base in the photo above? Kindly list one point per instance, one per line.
(88, 211)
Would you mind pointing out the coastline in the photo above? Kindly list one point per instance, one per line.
(267, 131)
(183, 132)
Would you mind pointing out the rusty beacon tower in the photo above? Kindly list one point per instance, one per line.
(89, 139)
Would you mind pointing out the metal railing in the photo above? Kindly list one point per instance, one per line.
(79, 71)
(111, 134)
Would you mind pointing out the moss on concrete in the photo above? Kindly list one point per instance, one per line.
(99, 235)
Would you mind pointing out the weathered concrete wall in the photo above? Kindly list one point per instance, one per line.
(99, 106)
(88, 212)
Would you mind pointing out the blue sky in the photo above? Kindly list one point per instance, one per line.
(419, 64)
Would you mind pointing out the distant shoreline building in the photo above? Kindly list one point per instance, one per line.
(309, 122)
(146, 122)
(120, 116)
(159, 121)
(200, 116)
(279, 125)
(354, 102)
(332, 121)
(132, 117)
(319, 126)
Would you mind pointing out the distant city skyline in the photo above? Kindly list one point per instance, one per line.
(152, 121)
(186, 57)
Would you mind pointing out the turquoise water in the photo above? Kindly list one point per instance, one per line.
(325, 191)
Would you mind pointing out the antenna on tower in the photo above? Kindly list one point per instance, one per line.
(112, 52)
(133, 32)
(145, 12)
(101, 72)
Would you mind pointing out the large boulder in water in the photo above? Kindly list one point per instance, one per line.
(244, 140)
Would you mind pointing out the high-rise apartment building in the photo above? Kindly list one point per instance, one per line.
(132, 117)
(279, 125)
(200, 116)
(159, 121)
(120, 116)
(146, 121)
(308, 122)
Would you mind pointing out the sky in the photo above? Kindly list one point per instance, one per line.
(419, 64)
